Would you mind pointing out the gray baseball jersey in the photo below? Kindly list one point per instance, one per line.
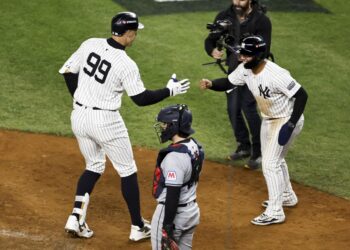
(273, 89)
(177, 169)
(105, 72)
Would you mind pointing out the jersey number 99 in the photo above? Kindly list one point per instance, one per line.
(95, 63)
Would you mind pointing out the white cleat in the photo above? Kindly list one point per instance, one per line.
(264, 220)
(138, 233)
(72, 227)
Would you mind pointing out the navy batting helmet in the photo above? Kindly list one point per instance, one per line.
(172, 120)
(124, 21)
(254, 46)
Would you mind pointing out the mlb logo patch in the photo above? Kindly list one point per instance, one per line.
(171, 176)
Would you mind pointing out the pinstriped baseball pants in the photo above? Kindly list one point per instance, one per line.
(100, 133)
(274, 166)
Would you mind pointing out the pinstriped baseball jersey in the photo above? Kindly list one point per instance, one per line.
(104, 73)
(273, 88)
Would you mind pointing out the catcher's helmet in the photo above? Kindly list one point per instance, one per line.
(254, 46)
(124, 21)
(172, 120)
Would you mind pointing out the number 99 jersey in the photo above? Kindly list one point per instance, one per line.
(105, 71)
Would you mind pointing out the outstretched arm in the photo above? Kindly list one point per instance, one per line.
(220, 84)
(173, 88)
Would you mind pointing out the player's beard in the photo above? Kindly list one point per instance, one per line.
(252, 64)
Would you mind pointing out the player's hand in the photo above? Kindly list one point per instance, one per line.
(217, 54)
(285, 133)
(205, 84)
(168, 242)
(177, 87)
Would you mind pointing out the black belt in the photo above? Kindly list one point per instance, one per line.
(94, 108)
(180, 205)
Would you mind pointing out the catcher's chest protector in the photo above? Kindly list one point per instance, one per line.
(196, 160)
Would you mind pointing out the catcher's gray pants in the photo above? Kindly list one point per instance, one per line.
(186, 220)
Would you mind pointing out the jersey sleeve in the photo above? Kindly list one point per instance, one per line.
(131, 80)
(174, 168)
(287, 84)
(72, 65)
(237, 76)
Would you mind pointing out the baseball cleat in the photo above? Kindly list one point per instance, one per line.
(138, 233)
(73, 228)
(253, 163)
(286, 203)
(240, 153)
(264, 220)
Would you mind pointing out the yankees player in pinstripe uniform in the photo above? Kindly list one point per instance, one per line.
(175, 180)
(97, 74)
(281, 101)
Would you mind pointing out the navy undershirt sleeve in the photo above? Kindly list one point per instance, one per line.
(149, 97)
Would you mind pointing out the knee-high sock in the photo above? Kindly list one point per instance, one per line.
(86, 184)
(131, 194)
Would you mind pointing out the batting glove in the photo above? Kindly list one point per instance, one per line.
(285, 133)
(177, 87)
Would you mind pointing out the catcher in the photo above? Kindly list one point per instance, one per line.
(175, 181)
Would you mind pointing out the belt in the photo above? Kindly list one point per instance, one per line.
(180, 205)
(94, 108)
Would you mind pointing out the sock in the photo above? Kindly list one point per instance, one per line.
(85, 184)
(131, 194)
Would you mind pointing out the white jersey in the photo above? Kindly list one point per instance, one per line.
(273, 88)
(105, 71)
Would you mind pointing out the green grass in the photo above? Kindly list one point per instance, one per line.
(38, 36)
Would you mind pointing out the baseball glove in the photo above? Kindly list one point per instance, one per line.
(168, 242)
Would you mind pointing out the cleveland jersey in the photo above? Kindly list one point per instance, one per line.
(105, 71)
(273, 88)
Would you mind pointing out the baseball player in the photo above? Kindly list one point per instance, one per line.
(281, 101)
(97, 74)
(175, 181)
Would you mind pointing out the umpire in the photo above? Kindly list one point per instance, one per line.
(247, 18)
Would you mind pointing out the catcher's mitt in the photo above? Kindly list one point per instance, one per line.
(168, 242)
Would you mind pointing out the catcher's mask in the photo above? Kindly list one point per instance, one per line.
(254, 46)
(172, 120)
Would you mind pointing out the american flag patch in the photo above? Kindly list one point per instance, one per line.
(291, 85)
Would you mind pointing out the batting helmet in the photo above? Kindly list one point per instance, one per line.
(124, 21)
(172, 120)
(254, 46)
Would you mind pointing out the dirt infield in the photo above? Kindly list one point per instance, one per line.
(37, 186)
